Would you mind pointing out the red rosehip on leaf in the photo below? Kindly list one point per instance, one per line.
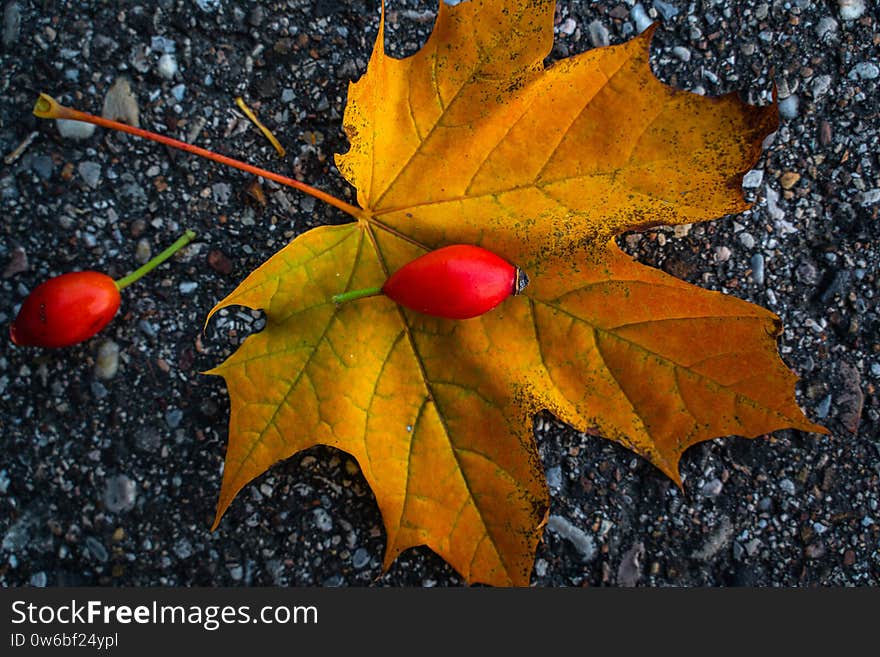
(456, 282)
(72, 307)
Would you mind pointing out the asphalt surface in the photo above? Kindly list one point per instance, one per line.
(112, 450)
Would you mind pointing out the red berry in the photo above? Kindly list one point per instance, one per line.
(456, 282)
(66, 310)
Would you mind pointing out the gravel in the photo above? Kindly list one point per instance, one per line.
(312, 519)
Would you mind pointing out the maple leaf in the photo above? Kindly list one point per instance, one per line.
(472, 140)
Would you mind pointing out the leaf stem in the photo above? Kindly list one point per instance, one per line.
(49, 108)
(136, 275)
(351, 295)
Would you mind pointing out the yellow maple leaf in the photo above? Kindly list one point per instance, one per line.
(472, 140)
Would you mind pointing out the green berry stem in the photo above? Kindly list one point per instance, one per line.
(134, 276)
(351, 295)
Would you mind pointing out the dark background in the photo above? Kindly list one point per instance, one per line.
(113, 481)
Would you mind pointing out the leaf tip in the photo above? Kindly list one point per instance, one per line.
(220, 305)
(222, 505)
(648, 33)
(812, 427)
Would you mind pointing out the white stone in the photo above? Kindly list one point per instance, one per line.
(640, 17)
(107, 361)
(788, 107)
(753, 178)
(870, 197)
(167, 66)
(850, 10)
(74, 129)
(682, 53)
(821, 85)
(864, 71)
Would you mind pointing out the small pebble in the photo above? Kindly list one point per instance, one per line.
(96, 549)
(323, 521)
(568, 26)
(815, 550)
(541, 567)
(163, 45)
(90, 172)
(864, 71)
(789, 179)
(256, 16)
(221, 193)
(753, 178)
(99, 390)
(825, 133)
(360, 558)
(807, 273)
(826, 28)
(219, 262)
(757, 264)
(666, 9)
(143, 251)
(640, 17)
(712, 488)
(43, 166)
(773, 208)
(722, 254)
(582, 542)
(209, 6)
(178, 91)
(187, 287)
(11, 24)
(850, 10)
(137, 227)
(682, 53)
(107, 360)
(148, 328)
(148, 439)
(120, 494)
(746, 240)
(76, 130)
(167, 66)
(788, 107)
(17, 264)
(554, 478)
(869, 197)
(821, 85)
(173, 417)
(183, 549)
(787, 486)
(39, 580)
(599, 35)
(824, 407)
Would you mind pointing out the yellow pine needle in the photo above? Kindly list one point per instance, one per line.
(253, 117)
